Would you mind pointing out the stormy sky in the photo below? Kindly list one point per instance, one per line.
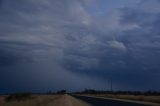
(76, 44)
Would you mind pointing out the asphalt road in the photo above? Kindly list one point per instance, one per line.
(106, 102)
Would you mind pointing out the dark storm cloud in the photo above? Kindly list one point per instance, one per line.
(33, 34)
(1, 1)
(132, 51)
(143, 42)
(50, 40)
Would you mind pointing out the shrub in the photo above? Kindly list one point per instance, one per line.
(18, 97)
(61, 92)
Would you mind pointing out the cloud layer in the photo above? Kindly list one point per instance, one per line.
(68, 44)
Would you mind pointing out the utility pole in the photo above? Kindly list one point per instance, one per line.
(111, 84)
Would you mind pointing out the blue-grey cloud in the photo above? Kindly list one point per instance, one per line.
(48, 40)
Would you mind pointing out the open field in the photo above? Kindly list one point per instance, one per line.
(141, 98)
(79, 100)
(45, 100)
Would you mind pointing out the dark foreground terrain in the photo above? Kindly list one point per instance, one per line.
(43, 100)
(106, 102)
(63, 100)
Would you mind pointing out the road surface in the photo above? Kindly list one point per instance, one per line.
(106, 102)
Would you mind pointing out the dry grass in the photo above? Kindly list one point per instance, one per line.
(153, 99)
(35, 101)
(45, 100)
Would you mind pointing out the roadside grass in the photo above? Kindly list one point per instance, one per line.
(44, 100)
(18, 97)
(28, 100)
(153, 99)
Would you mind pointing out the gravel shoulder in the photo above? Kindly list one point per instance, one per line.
(67, 100)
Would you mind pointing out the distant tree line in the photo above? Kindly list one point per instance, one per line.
(92, 91)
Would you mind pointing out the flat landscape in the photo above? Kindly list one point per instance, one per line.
(137, 98)
(45, 100)
(77, 100)
(119, 100)
(79, 52)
